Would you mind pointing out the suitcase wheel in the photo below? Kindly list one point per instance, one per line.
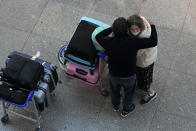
(104, 93)
(60, 82)
(61, 55)
(52, 94)
(5, 119)
(38, 129)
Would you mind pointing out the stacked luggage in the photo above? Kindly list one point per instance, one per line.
(80, 55)
(26, 75)
(25, 79)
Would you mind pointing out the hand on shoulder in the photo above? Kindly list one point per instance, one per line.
(149, 21)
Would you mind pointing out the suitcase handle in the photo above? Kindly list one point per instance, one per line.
(79, 77)
(82, 72)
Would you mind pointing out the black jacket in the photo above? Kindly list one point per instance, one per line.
(122, 50)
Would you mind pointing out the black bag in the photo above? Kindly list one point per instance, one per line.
(23, 71)
(81, 44)
(50, 71)
(13, 93)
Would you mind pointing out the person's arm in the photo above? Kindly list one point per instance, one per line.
(146, 33)
(102, 37)
(148, 42)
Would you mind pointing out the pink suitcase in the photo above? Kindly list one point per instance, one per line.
(81, 74)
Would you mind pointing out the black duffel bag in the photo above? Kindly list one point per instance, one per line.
(25, 72)
(13, 93)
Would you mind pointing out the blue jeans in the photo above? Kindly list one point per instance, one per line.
(129, 84)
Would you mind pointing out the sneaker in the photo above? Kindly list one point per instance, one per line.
(116, 108)
(126, 113)
(148, 98)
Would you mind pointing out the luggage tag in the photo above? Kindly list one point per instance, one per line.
(35, 56)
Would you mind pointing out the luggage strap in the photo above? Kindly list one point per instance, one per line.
(91, 64)
(8, 85)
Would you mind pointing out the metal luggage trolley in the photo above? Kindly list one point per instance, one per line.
(100, 55)
(7, 103)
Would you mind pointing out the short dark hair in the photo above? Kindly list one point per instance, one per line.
(136, 20)
(120, 26)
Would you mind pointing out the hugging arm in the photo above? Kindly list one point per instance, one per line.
(149, 42)
(102, 37)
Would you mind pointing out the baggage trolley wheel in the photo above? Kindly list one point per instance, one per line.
(104, 92)
(38, 129)
(61, 59)
(52, 94)
(5, 118)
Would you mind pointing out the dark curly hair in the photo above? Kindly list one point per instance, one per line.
(136, 20)
(120, 26)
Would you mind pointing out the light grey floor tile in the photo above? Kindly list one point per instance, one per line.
(107, 19)
(21, 14)
(10, 40)
(164, 13)
(167, 46)
(168, 122)
(72, 112)
(116, 7)
(184, 60)
(189, 25)
(48, 47)
(108, 120)
(178, 97)
(59, 21)
(84, 4)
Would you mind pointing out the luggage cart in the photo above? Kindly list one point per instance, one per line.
(10, 106)
(62, 63)
(62, 60)
(101, 56)
(7, 104)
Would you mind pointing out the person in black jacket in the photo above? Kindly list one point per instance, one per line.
(122, 50)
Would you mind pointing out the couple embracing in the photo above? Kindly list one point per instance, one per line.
(131, 51)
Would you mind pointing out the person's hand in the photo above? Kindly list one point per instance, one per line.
(149, 21)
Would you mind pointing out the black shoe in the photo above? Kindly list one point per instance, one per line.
(116, 108)
(104, 92)
(148, 98)
(125, 113)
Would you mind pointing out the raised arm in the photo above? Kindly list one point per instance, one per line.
(102, 37)
(149, 42)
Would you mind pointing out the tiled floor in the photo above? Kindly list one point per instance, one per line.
(45, 25)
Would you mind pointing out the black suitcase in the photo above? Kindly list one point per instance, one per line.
(81, 44)
(50, 74)
(23, 71)
(13, 93)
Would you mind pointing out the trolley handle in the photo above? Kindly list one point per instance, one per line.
(82, 72)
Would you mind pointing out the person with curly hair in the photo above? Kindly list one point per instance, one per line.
(140, 27)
